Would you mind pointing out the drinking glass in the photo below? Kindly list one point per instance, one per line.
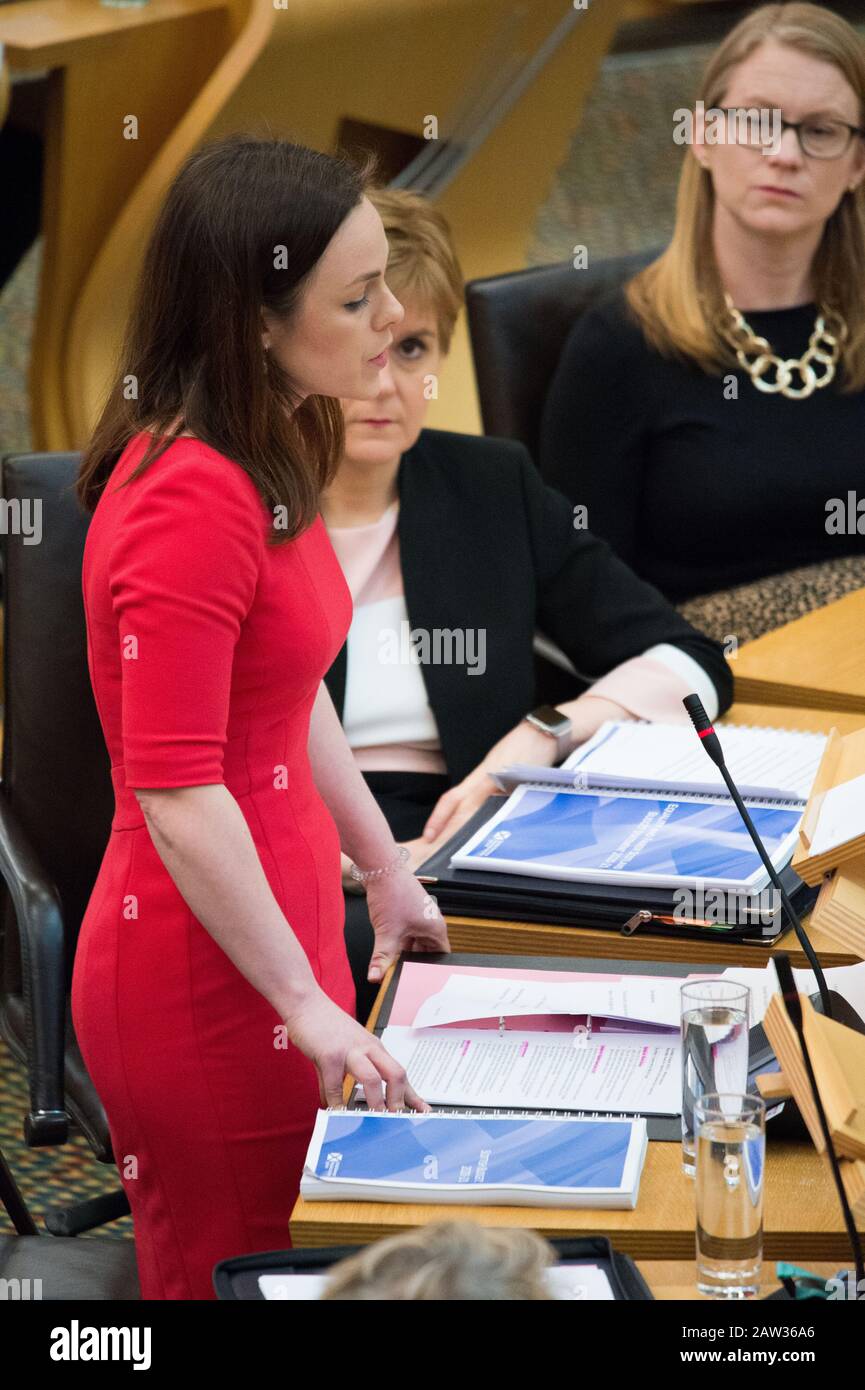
(714, 1048)
(731, 1153)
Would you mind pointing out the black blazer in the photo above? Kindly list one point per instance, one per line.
(485, 544)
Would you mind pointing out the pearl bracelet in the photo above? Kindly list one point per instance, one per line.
(364, 875)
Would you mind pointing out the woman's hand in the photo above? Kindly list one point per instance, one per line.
(420, 850)
(339, 1046)
(404, 918)
(524, 744)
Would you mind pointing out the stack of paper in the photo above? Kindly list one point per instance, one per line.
(778, 764)
(538, 1040)
(560, 1040)
(642, 805)
(511, 1160)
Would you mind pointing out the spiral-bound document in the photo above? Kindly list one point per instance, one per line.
(632, 839)
(629, 809)
(634, 755)
(509, 1159)
(613, 1073)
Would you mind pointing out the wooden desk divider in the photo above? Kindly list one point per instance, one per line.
(840, 907)
(838, 1058)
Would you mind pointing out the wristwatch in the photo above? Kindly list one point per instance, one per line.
(551, 721)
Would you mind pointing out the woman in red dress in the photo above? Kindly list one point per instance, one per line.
(211, 994)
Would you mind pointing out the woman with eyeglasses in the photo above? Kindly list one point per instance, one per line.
(710, 415)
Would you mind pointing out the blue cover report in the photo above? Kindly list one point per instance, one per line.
(646, 839)
(465, 1150)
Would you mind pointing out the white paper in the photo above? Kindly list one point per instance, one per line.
(848, 980)
(641, 999)
(572, 1282)
(762, 761)
(293, 1287)
(626, 1074)
(842, 816)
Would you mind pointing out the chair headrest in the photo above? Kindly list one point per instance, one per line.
(519, 323)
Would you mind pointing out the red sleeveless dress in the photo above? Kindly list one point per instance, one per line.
(206, 650)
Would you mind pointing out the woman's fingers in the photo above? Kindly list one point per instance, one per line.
(415, 1102)
(434, 934)
(397, 1081)
(365, 1071)
(331, 1078)
(382, 1078)
(382, 958)
(431, 939)
(390, 1071)
(441, 813)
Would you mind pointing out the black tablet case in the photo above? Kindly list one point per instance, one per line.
(237, 1279)
(524, 898)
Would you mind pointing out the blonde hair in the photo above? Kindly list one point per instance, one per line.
(422, 262)
(448, 1260)
(677, 297)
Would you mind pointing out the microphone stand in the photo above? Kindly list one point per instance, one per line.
(794, 1009)
(712, 744)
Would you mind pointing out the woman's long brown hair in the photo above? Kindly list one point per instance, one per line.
(242, 227)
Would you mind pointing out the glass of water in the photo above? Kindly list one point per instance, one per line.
(731, 1154)
(714, 1048)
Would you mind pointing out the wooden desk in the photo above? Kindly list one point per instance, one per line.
(802, 1219)
(802, 1216)
(480, 934)
(815, 721)
(817, 661)
(676, 1279)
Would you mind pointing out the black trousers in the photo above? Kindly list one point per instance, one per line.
(406, 798)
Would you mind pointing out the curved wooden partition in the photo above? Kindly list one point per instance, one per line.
(133, 91)
(5, 86)
(101, 309)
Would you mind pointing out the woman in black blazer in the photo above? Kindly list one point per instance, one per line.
(456, 551)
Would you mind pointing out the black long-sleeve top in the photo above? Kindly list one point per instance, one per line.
(695, 491)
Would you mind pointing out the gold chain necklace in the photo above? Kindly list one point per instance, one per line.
(754, 354)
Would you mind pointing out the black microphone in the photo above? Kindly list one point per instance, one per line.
(712, 744)
(793, 1005)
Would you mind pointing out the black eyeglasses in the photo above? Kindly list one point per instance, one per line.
(821, 138)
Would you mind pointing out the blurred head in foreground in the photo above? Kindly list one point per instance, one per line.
(450, 1260)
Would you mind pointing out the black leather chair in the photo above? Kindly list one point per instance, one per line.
(56, 805)
(60, 1268)
(518, 324)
